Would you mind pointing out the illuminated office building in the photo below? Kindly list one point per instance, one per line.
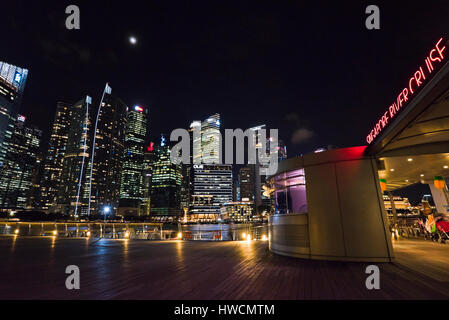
(247, 183)
(206, 145)
(74, 128)
(165, 185)
(33, 201)
(211, 188)
(109, 152)
(53, 162)
(211, 182)
(132, 176)
(149, 159)
(210, 140)
(236, 190)
(237, 211)
(22, 146)
(12, 85)
(185, 186)
(196, 155)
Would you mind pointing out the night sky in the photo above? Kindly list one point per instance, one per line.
(309, 68)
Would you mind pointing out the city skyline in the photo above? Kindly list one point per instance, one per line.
(224, 154)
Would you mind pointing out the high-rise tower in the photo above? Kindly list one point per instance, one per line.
(211, 182)
(53, 162)
(132, 176)
(73, 185)
(22, 146)
(165, 185)
(211, 189)
(210, 140)
(109, 152)
(12, 85)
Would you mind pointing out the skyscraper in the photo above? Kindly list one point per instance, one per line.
(33, 201)
(22, 145)
(210, 140)
(132, 176)
(247, 183)
(236, 190)
(12, 85)
(53, 163)
(109, 152)
(211, 188)
(166, 185)
(185, 186)
(76, 156)
(149, 160)
(211, 182)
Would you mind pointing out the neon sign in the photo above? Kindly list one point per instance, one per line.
(435, 56)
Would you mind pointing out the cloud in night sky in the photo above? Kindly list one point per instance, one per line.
(301, 135)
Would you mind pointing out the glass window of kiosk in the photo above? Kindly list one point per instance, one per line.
(290, 192)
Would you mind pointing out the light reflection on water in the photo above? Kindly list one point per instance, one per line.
(151, 232)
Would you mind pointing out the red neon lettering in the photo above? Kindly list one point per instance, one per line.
(392, 111)
(436, 54)
(410, 84)
(405, 94)
(400, 100)
(386, 117)
(396, 107)
(440, 51)
(418, 77)
(434, 58)
(429, 65)
(422, 73)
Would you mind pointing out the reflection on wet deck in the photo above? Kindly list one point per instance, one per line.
(34, 268)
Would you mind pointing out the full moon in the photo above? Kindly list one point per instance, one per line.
(132, 40)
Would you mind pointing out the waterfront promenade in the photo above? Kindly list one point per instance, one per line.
(34, 268)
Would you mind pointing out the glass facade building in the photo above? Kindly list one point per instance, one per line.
(149, 159)
(53, 162)
(210, 140)
(12, 85)
(109, 152)
(211, 188)
(247, 183)
(165, 185)
(132, 177)
(73, 189)
(22, 145)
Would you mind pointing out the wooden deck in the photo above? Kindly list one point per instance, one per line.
(34, 268)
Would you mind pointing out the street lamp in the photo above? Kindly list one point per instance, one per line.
(106, 210)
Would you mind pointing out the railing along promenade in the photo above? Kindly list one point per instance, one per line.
(134, 230)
